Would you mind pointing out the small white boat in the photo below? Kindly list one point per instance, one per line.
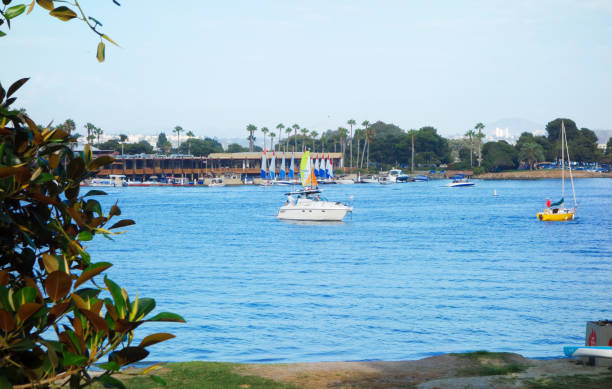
(344, 181)
(307, 204)
(113, 180)
(459, 180)
(396, 175)
(216, 182)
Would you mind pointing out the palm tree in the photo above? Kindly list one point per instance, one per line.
(272, 145)
(470, 134)
(351, 122)
(280, 127)
(98, 131)
(479, 126)
(295, 128)
(90, 132)
(314, 135)
(305, 133)
(371, 135)
(287, 131)
(412, 132)
(342, 132)
(189, 134)
(122, 139)
(366, 125)
(178, 130)
(251, 129)
(265, 130)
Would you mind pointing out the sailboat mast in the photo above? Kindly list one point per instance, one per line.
(569, 165)
(562, 160)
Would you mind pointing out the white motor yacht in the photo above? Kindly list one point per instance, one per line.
(307, 204)
(396, 175)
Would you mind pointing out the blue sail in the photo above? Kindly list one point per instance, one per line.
(292, 167)
(263, 165)
(272, 172)
(281, 172)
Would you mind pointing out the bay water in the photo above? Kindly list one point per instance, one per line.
(417, 270)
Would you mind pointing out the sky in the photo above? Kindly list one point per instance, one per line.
(213, 67)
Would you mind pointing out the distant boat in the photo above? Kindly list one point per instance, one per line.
(113, 180)
(216, 182)
(420, 178)
(396, 175)
(459, 180)
(556, 211)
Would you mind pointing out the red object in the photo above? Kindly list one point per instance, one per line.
(610, 342)
(593, 338)
(548, 203)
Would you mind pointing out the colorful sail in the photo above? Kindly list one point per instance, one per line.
(315, 165)
(321, 167)
(263, 165)
(281, 172)
(330, 168)
(272, 172)
(292, 167)
(307, 172)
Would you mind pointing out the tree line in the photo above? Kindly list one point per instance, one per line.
(373, 146)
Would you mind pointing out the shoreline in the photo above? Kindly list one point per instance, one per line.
(539, 175)
(480, 369)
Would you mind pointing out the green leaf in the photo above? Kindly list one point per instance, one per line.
(44, 177)
(113, 366)
(115, 291)
(85, 236)
(159, 380)
(2, 33)
(63, 13)
(111, 382)
(167, 316)
(100, 52)
(93, 206)
(71, 359)
(145, 306)
(14, 11)
(95, 192)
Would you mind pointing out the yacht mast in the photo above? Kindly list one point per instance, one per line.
(562, 160)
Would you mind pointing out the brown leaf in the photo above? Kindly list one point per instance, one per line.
(51, 263)
(122, 223)
(7, 323)
(98, 323)
(87, 275)
(155, 338)
(46, 4)
(4, 277)
(16, 85)
(58, 310)
(58, 285)
(129, 355)
(97, 307)
(27, 310)
(78, 300)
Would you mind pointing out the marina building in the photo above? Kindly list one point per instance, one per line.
(241, 166)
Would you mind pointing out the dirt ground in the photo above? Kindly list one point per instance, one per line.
(440, 372)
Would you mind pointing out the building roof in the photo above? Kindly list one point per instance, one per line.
(257, 155)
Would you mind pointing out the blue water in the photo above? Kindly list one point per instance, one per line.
(419, 269)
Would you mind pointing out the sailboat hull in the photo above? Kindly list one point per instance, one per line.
(561, 215)
(312, 214)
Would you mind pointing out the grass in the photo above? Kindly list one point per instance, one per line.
(201, 375)
(571, 382)
(487, 364)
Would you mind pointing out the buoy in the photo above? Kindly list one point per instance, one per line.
(495, 192)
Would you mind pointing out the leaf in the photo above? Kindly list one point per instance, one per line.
(97, 321)
(145, 306)
(16, 85)
(100, 161)
(63, 13)
(14, 11)
(27, 310)
(114, 211)
(112, 366)
(95, 192)
(122, 223)
(2, 33)
(71, 359)
(52, 263)
(159, 380)
(79, 301)
(91, 271)
(46, 4)
(85, 236)
(117, 296)
(58, 310)
(58, 285)
(129, 355)
(31, 6)
(100, 52)
(155, 338)
(111, 382)
(7, 323)
(110, 40)
(167, 316)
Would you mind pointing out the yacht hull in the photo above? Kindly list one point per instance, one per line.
(564, 215)
(310, 214)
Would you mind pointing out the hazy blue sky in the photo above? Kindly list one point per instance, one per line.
(215, 66)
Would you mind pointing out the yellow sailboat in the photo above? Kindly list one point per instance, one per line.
(556, 212)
